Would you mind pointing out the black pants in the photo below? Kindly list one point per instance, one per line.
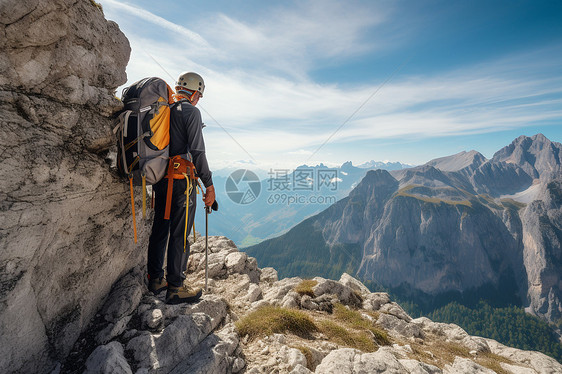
(170, 232)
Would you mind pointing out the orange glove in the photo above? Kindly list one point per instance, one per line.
(209, 195)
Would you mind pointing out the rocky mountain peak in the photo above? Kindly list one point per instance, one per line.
(424, 175)
(346, 166)
(377, 184)
(537, 155)
(458, 161)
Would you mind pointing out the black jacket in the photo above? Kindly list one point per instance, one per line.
(186, 135)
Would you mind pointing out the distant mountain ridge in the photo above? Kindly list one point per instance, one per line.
(457, 224)
(270, 214)
(386, 165)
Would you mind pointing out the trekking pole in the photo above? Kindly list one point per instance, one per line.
(207, 211)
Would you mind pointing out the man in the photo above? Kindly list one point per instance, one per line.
(186, 137)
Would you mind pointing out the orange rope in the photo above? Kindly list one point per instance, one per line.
(133, 205)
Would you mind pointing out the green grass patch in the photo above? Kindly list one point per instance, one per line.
(354, 339)
(404, 192)
(270, 319)
(510, 203)
(489, 201)
(305, 287)
(447, 351)
(355, 320)
(493, 362)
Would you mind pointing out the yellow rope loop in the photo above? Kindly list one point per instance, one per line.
(187, 193)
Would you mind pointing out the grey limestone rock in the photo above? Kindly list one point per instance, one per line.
(290, 300)
(254, 293)
(299, 369)
(112, 330)
(65, 223)
(235, 262)
(452, 333)
(345, 294)
(269, 275)
(307, 303)
(464, 365)
(375, 300)
(351, 361)
(164, 351)
(399, 327)
(292, 357)
(108, 359)
(215, 354)
(417, 367)
(539, 362)
(279, 289)
(153, 319)
(354, 284)
(395, 310)
(124, 297)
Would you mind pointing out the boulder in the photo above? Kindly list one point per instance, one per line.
(464, 365)
(349, 361)
(452, 333)
(164, 351)
(108, 359)
(345, 294)
(375, 301)
(269, 275)
(395, 310)
(399, 327)
(540, 362)
(354, 284)
(292, 357)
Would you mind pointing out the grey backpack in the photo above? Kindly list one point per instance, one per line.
(142, 129)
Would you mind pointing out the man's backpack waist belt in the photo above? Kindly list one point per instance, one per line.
(178, 168)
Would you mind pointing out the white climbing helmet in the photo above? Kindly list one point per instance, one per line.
(190, 81)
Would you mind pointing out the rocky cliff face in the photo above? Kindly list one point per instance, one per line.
(65, 233)
(250, 321)
(457, 224)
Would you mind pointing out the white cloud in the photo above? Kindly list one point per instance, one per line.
(259, 90)
(291, 38)
(146, 16)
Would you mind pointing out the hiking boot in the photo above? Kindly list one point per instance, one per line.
(157, 285)
(183, 294)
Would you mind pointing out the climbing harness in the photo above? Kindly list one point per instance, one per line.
(179, 168)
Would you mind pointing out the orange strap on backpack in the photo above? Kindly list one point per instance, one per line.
(178, 168)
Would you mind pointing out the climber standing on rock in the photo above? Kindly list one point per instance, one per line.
(186, 140)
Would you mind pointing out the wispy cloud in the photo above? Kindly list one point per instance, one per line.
(259, 85)
(292, 39)
(148, 17)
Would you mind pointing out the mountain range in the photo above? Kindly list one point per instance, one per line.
(269, 213)
(460, 226)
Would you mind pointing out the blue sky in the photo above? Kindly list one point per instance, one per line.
(403, 81)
